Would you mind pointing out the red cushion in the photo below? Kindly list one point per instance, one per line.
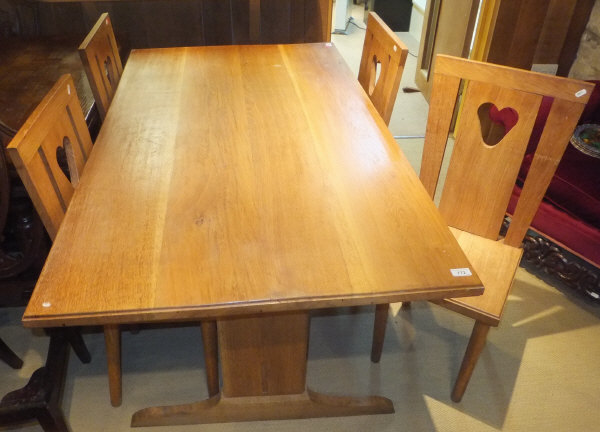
(575, 187)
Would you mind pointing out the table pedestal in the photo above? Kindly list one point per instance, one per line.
(263, 362)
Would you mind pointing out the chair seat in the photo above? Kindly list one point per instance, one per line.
(495, 263)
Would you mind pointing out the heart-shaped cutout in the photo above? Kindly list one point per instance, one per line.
(374, 74)
(495, 124)
(61, 158)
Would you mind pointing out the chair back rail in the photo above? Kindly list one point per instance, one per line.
(381, 65)
(102, 62)
(56, 125)
(481, 176)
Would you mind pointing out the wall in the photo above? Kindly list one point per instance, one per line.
(587, 63)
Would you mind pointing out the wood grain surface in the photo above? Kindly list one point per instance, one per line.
(467, 187)
(243, 179)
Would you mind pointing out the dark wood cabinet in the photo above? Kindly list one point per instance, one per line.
(164, 23)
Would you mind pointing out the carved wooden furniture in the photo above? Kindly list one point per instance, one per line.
(234, 185)
(381, 65)
(102, 62)
(164, 23)
(482, 173)
(40, 398)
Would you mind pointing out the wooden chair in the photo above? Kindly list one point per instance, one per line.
(40, 398)
(55, 131)
(381, 65)
(49, 152)
(482, 173)
(102, 63)
(58, 124)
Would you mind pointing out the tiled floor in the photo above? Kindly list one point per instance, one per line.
(539, 371)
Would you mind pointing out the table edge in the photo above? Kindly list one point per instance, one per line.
(210, 312)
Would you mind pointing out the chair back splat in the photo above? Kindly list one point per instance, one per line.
(102, 63)
(381, 65)
(487, 156)
(50, 151)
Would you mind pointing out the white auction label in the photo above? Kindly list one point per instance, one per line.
(461, 272)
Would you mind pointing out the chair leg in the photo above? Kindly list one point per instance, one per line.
(9, 357)
(381, 316)
(211, 361)
(476, 344)
(112, 340)
(76, 341)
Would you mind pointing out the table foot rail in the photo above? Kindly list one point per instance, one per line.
(220, 409)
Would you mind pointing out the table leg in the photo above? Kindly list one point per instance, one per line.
(112, 340)
(211, 363)
(263, 363)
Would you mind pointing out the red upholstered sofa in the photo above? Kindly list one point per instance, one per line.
(564, 242)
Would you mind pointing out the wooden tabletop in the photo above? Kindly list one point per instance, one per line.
(240, 179)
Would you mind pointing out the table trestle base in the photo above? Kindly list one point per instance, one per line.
(263, 364)
(221, 409)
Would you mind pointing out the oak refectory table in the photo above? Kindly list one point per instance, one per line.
(246, 184)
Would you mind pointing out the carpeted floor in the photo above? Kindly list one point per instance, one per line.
(538, 372)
